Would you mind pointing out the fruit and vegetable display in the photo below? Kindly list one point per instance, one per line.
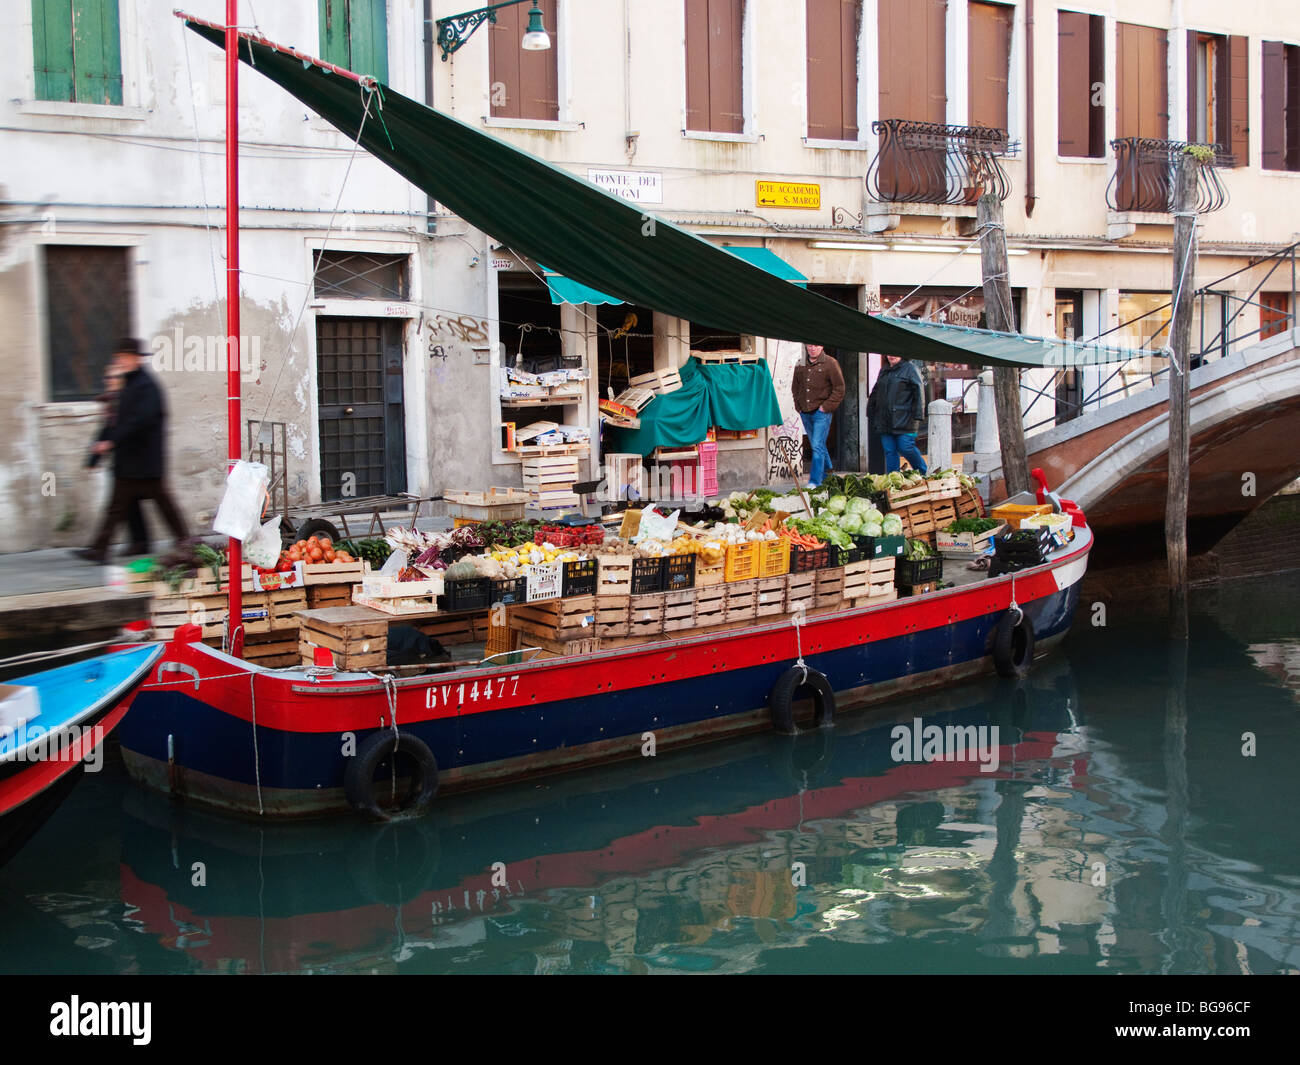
(972, 525)
(569, 536)
(374, 551)
(917, 550)
(315, 549)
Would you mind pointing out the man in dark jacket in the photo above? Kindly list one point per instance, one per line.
(894, 412)
(818, 388)
(137, 440)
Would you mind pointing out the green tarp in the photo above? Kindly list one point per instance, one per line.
(728, 395)
(599, 240)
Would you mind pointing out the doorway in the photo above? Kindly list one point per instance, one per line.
(846, 423)
(360, 407)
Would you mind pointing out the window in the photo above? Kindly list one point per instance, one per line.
(714, 65)
(523, 84)
(1080, 85)
(87, 307)
(1216, 92)
(1142, 94)
(354, 35)
(77, 51)
(990, 63)
(833, 69)
(1274, 313)
(361, 276)
(913, 60)
(1281, 106)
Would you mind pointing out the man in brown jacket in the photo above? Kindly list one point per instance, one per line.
(818, 389)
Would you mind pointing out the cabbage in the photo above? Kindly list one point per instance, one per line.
(858, 505)
(837, 504)
(851, 523)
(892, 525)
(872, 529)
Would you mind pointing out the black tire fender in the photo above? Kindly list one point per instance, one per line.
(1013, 644)
(315, 526)
(791, 682)
(359, 777)
(394, 862)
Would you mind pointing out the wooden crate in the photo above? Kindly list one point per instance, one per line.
(770, 598)
(613, 613)
(707, 576)
(679, 610)
(801, 591)
(263, 611)
(970, 504)
(318, 573)
(614, 575)
(710, 605)
(636, 398)
(277, 649)
(829, 589)
(918, 521)
(869, 578)
(417, 606)
(661, 382)
(646, 615)
(356, 636)
(906, 497)
(945, 488)
(323, 595)
(874, 600)
(742, 600)
(967, 544)
(943, 514)
(452, 629)
(557, 620)
(921, 589)
(561, 648)
(496, 504)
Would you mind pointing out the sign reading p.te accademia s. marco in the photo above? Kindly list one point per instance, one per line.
(799, 195)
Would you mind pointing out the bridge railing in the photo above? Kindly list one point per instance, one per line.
(1123, 380)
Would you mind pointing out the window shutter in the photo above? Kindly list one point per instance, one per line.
(334, 32)
(1143, 88)
(523, 84)
(989, 63)
(1274, 100)
(936, 33)
(726, 27)
(1291, 55)
(697, 64)
(369, 37)
(1238, 101)
(52, 49)
(850, 30)
(96, 49)
(823, 19)
(1195, 105)
(1073, 89)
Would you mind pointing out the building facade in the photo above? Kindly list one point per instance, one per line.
(848, 137)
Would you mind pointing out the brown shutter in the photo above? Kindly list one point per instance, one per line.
(1143, 90)
(912, 60)
(529, 81)
(833, 69)
(1238, 101)
(1096, 82)
(990, 60)
(1274, 99)
(697, 64)
(1073, 88)
(936, 38)
(1195, 105)
(726, 93)
(1292, 61)
(850, 30)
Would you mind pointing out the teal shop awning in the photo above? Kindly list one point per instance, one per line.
(769, 261)
(566, 290)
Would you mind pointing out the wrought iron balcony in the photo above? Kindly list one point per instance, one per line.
(926, 162)
(1145, 171)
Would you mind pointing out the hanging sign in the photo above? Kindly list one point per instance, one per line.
(642, 186)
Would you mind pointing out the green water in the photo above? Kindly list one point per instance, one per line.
(1124, 831)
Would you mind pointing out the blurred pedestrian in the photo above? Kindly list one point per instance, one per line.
(137, 440)
(135, 522)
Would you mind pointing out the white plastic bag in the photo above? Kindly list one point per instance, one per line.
(240, 513)
(263, 547)
(654, 526)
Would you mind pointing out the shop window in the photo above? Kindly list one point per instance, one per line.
(523, 84)
(361, 276)
(989, 63)
(1216, 92)
(354, 35)
(87, 307)
(833, 69)
(1274, 313)
(1080, 85)
(714, 65)
(1281, 106)
(77, 51)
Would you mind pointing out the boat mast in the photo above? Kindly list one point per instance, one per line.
(234, 557)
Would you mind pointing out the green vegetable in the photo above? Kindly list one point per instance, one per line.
(873, 530)
(837, 504)
(892, 525)
(972, 525)
(918, 549)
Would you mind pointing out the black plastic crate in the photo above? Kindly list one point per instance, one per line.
(910, 572)
(881, 501)
(803, 559)
(579, 577)
(647, 576)
(843, 556)
(1030, 546)
(678, 573)
(472, 594)
(510, 592)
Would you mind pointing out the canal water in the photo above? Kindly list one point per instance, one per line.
(1134, 813)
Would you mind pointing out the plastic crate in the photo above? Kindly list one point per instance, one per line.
(580, 577)
(881, 546)
(708, 475)
(647, 576)
(741, 562)
(1014, 513)
(510, 592)
(678, 572)
(803, 559)
(913, 571)
(843, 556)
(773, 557)
(472, 594)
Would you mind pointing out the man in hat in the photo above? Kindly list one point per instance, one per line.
(136, 440)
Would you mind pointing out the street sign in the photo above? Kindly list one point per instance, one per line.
(797, 195)
(640, 186)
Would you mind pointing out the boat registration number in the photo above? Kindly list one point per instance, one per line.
(437, 695)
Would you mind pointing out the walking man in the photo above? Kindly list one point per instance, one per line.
(137, 441)
(818, 389)
(894, 412)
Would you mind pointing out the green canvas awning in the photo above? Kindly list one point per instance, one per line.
(601, 241)
(768, 260)
(566, 290)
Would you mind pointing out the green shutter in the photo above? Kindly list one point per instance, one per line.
(370, 38)
(334, 32)
(52, 49)
(97, 52)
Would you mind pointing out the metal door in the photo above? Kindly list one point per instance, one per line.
(359, 395)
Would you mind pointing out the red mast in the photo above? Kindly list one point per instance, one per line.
(233, 353)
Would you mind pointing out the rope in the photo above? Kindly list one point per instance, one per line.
(797, 619)
(390, 689)
(66, 652)
(257, 758)
(980, 233)
(1178, 293)
(1014, 605)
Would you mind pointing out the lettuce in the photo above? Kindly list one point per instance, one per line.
(837, 504)
(892, 525)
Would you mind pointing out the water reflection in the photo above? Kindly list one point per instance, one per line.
(1123, 831)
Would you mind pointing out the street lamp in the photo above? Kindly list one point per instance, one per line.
(455, 30)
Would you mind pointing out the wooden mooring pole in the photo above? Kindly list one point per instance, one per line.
(1000, 315)
(1180, 333)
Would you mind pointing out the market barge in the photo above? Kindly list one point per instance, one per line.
(225, 732)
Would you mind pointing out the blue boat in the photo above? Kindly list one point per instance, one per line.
(52, 729)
